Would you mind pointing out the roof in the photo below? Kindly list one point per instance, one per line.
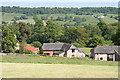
(30, 48)
(80, 50)
(56, 46)
(106, 49)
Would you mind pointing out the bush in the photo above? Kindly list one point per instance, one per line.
(17, 51)
(28, 52)
(36, 44)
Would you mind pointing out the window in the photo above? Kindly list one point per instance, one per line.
(73, 50)
(73, 55)
(110, 56)
(101, 58)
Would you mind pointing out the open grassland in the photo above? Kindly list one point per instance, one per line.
(109, 20)
(10, 16)
(89, 19)
(54, 60)
(30, 70)
(27, 21)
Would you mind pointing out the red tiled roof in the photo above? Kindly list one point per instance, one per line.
(30, 48)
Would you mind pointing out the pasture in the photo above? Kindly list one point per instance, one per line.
(31, 66)
(31, 70)
(89, 19)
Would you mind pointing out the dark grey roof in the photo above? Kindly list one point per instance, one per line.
(106, 49)
(80, 50)
(56, 46)
(66, 47)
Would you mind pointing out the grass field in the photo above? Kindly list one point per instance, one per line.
(54, 60)
(89, 19)
(10, 16)
(30, 70)
(109, 20)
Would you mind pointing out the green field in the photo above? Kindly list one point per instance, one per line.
(54, 60)
(30, 66)
(109, 20)
(89, 19)
(30, 70)
(10, 16)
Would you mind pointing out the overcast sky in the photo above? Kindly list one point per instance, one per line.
(60, 3)
(59, 0)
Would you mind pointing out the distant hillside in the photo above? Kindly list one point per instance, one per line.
(64, 16)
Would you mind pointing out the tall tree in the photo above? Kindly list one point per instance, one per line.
(95, 41)
(116, 37)
(104, 28)
(24, 34)
(8, 39)
(52, 32)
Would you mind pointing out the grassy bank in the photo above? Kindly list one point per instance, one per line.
(54, 60)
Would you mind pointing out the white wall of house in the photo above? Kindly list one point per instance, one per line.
(102, 57)
(17, 47)
(81, 55)
(76, 53)
(62, 54)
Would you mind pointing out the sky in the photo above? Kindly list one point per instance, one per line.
(59, 0)
(60, 3)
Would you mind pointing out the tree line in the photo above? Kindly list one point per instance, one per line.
(58, 10)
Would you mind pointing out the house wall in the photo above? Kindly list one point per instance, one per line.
(75, 54)
(50, 52)
(62, 54)
(82, 55)
(99, 56)
(17, 47)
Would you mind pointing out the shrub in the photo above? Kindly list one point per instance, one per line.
(17, 51)
(28, 52)
(36, 44)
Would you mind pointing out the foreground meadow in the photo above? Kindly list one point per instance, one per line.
(31, 70)
(30, 66)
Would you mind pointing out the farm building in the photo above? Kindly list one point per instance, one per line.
(106, 53)
(62, 49)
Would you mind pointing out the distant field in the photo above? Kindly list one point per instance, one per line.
(89, 19)
(54, 60)
(30, 70)
(109, 20)
(27, 21)
(10, 16)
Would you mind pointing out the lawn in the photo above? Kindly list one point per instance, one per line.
(54, 60)
(31, 70)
